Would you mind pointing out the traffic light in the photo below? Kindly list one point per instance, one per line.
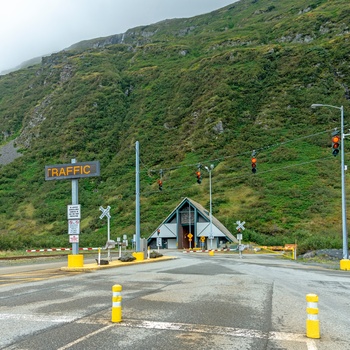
(199, 177)
(253, 165)
(335, 145)
(160, 185)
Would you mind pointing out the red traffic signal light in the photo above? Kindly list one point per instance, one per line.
(253, 165)
(335, 145)
(199, 177)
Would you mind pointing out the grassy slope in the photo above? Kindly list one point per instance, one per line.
(248, 66)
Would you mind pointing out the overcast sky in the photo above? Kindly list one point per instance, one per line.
(32, 28)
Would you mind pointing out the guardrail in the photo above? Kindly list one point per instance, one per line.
(55, 250)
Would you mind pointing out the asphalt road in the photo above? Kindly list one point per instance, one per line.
(195, 301)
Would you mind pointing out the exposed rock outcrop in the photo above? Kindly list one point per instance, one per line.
(8, 153)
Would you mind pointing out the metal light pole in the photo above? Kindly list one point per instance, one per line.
(210, 200)
(343, 197)
(137, 200)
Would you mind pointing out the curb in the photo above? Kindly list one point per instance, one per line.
(112, 264)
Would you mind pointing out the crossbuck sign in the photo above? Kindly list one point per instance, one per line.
(240, 225)
(105, 212)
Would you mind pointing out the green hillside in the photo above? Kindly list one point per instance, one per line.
(204, 90)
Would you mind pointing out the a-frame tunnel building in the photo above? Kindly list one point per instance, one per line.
(188, 226)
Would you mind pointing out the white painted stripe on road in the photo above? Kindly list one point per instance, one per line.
(38, 318)
(183, 327)
(311, 345)
(67, 346)
(227, 331)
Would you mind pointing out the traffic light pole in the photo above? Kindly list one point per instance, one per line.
(343, 196)
(211, 209)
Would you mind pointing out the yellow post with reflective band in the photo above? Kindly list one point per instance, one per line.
(117, 303)
(312, 322)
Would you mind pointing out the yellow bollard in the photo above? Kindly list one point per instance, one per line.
(138, 255)
(211, 252)
(117, 303)
(345, 264)
(312, 322)
(76, 260)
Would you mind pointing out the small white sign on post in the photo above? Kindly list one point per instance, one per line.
(73, 227)
(73, 212)
(73, 238)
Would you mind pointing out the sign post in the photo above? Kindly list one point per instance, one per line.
(119, 243)
(159, 240)
(190, 236)
(74, 216)
(75, 245)
(73, 171)
(240, 226)
(202, 239)
(105, 212)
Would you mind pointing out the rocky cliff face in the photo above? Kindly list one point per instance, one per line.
(98, 43)
(8, 153)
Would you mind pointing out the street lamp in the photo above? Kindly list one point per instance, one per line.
(211, 215)
(342, 137)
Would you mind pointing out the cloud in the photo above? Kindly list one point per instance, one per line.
(34, 28)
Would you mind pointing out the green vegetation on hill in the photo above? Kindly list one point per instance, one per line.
(209, 90)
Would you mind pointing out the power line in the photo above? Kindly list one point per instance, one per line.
(216, 160)
(237, 176)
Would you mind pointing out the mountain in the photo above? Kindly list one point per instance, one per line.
(25, 64)
(204, 90)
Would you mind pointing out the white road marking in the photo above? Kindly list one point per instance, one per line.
(38, 318)
(67, 346)
(183, 327)
(227, 331)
